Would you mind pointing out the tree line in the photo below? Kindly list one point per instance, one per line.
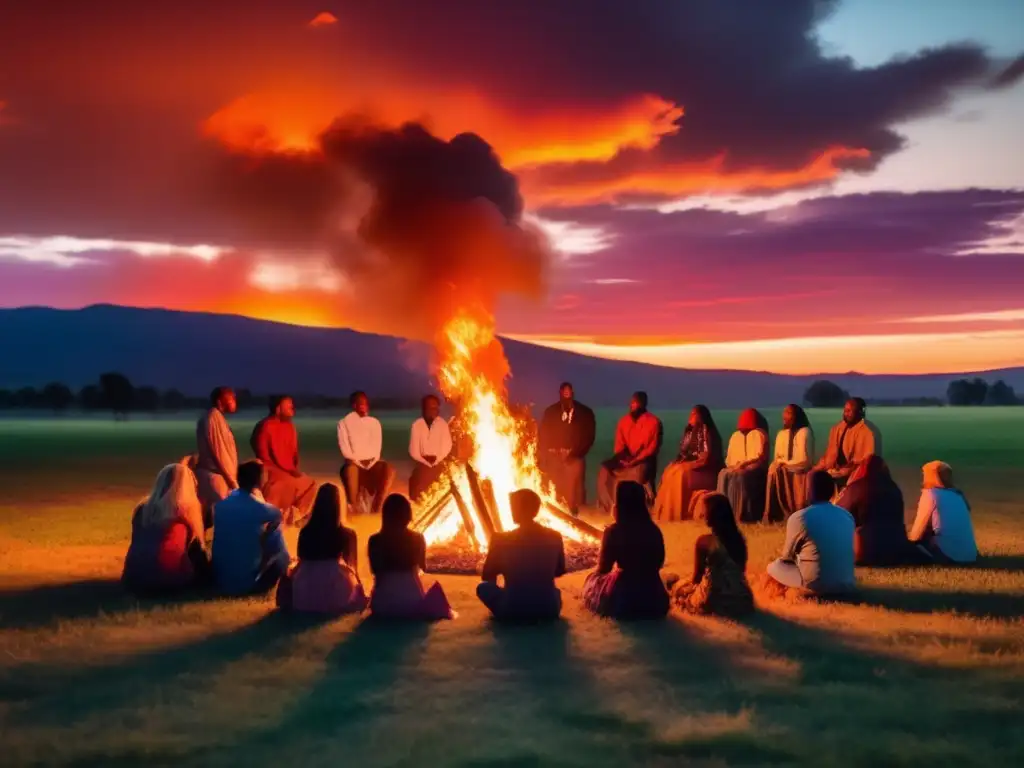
(976, 391)
(115, 393)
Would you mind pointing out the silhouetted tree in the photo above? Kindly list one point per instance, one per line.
(116, 393)
(825, 394)
(56, 396)
(6, 399)
(1001, 393)
(173, 400)
(26, 397)
(245, 399)
(967, 391)
(89, 398)
(146, 399)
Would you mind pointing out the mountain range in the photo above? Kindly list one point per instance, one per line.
(193, 352)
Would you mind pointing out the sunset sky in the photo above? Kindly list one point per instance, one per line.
(794, 186)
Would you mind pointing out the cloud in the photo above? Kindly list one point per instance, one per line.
(323, 19)
(1000, 316)
(69, 251)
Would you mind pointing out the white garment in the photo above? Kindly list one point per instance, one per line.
(360, 438)
(435, 440)
(803, 448)
(744, 448)
(950, 520)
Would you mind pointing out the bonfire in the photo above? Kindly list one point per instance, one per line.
(494, 454)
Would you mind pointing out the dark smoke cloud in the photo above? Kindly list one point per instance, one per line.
(419, 226)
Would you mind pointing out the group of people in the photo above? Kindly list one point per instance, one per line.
(841, 511)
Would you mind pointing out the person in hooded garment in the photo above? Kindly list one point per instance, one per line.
(876, 504)
(326, 578)
(695, 469)
(638, 438)
(430, 442)
(216, 455)
(850, 442)
(745, 475)
(397, 558)
(786, 489)
(942, 527)
(529, 558)
(627, 582)
(565, 437)
(275, 442)
(719, 584)
(363, 472)
(167, 550)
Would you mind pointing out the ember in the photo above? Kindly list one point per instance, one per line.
(495, 456)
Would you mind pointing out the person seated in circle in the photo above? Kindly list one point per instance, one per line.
(942, 528)
(850, 442)
(787, 476)
(326, 578)
(745, 476)
(529, 558)
(876, 504)
(634, 543)
(397, 558)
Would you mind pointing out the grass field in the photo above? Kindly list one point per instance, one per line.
(929, 670)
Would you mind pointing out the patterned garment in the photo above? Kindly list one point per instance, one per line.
(694, 442)
(722, 591)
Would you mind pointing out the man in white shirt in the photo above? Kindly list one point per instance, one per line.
(360, 439)
(430, 442)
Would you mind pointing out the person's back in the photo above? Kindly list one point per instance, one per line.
(396, 551)
(951, 524)
(238, 551)
(531, 556)
(825, 551)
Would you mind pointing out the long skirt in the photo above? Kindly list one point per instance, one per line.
(884, 545)
(745, 489)
(712, 597)
(678, 484)
(401, 596)
(786, 493)
(422, 478)
(611, 475)
(526, 605)
(292, 495)
(569, 476)
(612, 596)
(321, 586)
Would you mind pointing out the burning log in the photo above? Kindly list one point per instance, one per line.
(589, 531)
(488, 512)
(430, 515)
(467, 516)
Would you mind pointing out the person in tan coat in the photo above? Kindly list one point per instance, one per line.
(850, 443)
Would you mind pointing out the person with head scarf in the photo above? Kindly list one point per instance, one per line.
(745, 474)
(876, 504)
(638, 438)
(719, 584)
(275, 442)
(695, 469)
(326, 578)
(398, 556)
(850, 442)
(786, 490)
(167, 550)
(529, 558)
(943, 527)
(627, 582)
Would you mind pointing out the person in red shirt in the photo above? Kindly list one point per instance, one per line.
(275, 442)
(638, 439)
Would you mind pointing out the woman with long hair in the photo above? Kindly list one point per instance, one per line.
(786, 490)
(943, 527)
(695, 469)
(746, 467)
(876, 504)
(326, 578)
(168, 550)
(627, 582)
(719, 583)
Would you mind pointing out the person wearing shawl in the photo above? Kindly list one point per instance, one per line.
(850, 442)
(217, 455)
(719, 584)
(786, 490)
(695, 469)
(167, 549)
(275, 442)
(876, 504)
(942, 527)
(633, 543)
(746, 467)
(638, 438)
(326, 578)
(566, 436)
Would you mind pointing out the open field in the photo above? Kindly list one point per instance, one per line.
(929, 670)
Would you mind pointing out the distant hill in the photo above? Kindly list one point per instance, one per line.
(194, 352)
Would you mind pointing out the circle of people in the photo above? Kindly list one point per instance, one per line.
(839, 511)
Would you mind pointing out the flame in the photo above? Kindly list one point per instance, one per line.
(472, 373)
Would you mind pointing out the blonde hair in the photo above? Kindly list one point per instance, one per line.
(937, 474)
(174, 498)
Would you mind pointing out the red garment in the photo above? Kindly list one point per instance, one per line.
(874, 469)
(748, 420)
(276, 444)
(639, 438)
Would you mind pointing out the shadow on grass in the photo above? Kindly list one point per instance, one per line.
(977, 604)
(998, 563)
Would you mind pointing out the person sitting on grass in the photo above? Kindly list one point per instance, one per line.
(634, 543)
(529, 558)
(850, 442)
(326, 578)
(719, 585)
(876, 504)
(249, 552)
(275, 442)
(817, 558)
(695, 469)
(787, 476)
(167, 550)
(943, 527)
(745, 476)
(363, 472)
(397, 558)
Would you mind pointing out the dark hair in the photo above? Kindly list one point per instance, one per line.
(218, 393)
(525, 504)
(722, 522)
(641, 398)
(321, 538)
(631, 503)
(250, 473)
(565, 384)
(275, 400)
(355, 396)
(396, 512)
(800, 419)
(426, 399)
(860, 402)
(820, 486)
(705, 415)
(708, 421)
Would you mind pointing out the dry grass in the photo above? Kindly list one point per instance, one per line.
(929, 670)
